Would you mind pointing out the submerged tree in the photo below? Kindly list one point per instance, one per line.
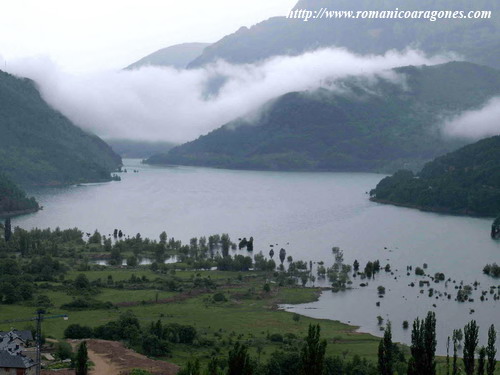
(282, 255)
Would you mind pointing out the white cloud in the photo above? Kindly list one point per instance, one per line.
(476, 124)
(155, 103)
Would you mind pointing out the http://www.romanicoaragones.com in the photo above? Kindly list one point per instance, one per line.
(431, 15)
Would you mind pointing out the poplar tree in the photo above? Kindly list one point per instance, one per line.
(312, 356)
(491, 351)
(470, 344)
(82, 357)
(386, 353)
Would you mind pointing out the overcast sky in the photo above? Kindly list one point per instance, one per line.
(91, 35)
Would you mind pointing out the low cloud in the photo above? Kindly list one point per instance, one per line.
(156, 103)
(476, 124)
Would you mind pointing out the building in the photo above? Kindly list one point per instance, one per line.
(16, 364)
(13, 358)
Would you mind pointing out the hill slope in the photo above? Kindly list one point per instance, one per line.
(14, 200)
(478, 40)
(466, 181)
(177, 56)
(369, 127)
(39, 146)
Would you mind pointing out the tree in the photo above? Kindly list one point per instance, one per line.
(192, 368)
(312, 356)
(386, 353)
(356, 265)
(7, 230)
(271, 253)
(282, 255)
(163, 238)
(470, 344)
(213, 366)
(423, 346)
(81, 282)
(81, 366)
(455, 354)
(238, 362)
(481, 361)
(491, 351)
(63, 351)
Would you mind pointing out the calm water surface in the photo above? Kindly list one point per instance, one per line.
(307, 214)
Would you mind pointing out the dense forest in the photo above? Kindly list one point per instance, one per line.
(477, 40)
(13, 199)
(466, 181)
(381, 126)
(39, 146)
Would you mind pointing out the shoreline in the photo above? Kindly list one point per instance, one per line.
(8, 214)
(433, 209)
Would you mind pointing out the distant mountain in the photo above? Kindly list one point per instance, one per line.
(13, 200)
(39, 146)
(177, 56)
(133, 149)
(380, 126)
(466, 181)
(477, 40)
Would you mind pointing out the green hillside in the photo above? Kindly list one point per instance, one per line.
(466, 181)
(370, 127)
(14, 200)
(478, 40)
(39, 146)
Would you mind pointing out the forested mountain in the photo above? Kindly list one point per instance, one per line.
(366, 127)
(177, 56)
(39, 146)
(13, 199)
(466, 181)
(478, 40)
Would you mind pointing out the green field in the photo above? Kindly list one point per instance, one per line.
(249, 313)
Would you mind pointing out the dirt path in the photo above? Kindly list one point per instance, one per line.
(102, 364)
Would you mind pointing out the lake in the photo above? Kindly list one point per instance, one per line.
(306, 213)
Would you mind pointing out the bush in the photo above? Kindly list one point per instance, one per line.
(63, 351)
(219, 297)
(76, 331)
(276, 337)
(86, 304)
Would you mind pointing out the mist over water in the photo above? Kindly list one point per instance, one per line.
(161, 103)
(307, 214)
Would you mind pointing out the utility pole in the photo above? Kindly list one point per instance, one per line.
(38, 318)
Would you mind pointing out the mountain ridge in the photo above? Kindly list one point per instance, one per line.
(39, 146)
(477, 40)
(377, 128)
